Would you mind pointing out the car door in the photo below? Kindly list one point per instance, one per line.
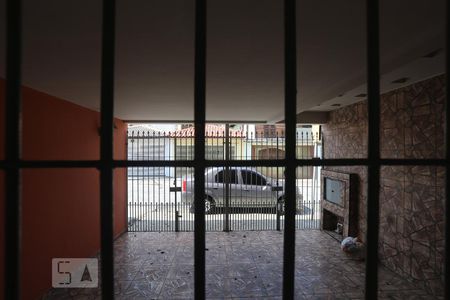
(257, 192)
(217, 186)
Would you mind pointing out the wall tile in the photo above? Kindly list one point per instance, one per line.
(411, 198)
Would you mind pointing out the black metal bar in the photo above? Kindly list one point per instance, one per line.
(13, 205)
(106, 149)
(192, 122)
(277, 210)
(447, 156)
(373, 92)
(290, 112)
(226, 227)
(177, 219)
(36, 164)
(199, 157)
(127, 208)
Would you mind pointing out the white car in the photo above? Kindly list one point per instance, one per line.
(248, 188)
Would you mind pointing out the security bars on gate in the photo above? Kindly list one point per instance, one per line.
(447, 156)
(290, 113)
(12, 142)
(106, 149)
(12, 164)
(199, 156)
(239, 198)
(373, 186)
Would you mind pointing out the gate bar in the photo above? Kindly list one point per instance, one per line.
(106, 149)
(290, 111)
(199, 155)
(447, 156)
(13, 205)
(226, 226)
(36, 164)
(373, 99)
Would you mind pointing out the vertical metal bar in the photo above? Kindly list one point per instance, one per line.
(135, 194)
(277, 210)
(177, 220)
(290, 111)
(13, 205)
(127, 188)
(373, 92)
(142, 180)
(154, 206)
(305, 148)
(138, 181)
(227, 178)
(154, 213)
(149, 180)
(106, 148)
(148, 150)
(133, 214)
(199, 117)
(158, 204)
(188, 145)
(447, 156)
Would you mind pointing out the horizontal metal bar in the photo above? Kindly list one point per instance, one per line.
(43, 164)
(281, 163)
(158, 121)
(155, 163)
(192, 122)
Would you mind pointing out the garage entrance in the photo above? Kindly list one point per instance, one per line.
(236, 198)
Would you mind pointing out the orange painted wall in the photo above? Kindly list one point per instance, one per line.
(61, 206)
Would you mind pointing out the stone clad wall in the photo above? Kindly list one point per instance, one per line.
(345, 136)
(411, 197)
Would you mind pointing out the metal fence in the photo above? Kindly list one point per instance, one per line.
(236, 198)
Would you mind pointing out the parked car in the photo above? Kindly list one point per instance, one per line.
(248, 188)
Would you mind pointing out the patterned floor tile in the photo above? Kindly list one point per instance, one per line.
(246, 287)
(143, 288)
(239, 265)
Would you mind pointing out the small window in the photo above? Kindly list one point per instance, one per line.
(252, 178)
(220, 176)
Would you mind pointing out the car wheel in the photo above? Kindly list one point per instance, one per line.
(210, 206)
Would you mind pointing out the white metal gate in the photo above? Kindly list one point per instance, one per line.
(161, 198)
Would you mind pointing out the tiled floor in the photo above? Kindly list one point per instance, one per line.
(238, 265)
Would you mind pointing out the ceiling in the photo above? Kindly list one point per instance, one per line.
(155, 54)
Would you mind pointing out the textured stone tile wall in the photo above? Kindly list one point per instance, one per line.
(411, 197)
(345, 136)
